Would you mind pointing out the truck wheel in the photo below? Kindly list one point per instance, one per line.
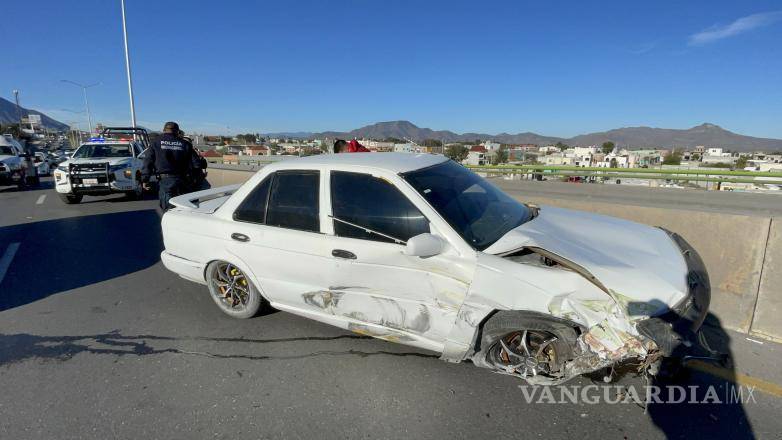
(527, 346)
(70, 199)
(232, 291)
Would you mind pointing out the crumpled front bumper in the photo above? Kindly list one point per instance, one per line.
(675, 331)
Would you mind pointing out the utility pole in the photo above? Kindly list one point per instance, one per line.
(127, 68)
(18, 111)
(86, 102)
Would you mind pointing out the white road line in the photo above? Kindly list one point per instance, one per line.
(5, 262)
(40, 200)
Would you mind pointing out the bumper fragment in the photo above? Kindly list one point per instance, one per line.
(675, 331)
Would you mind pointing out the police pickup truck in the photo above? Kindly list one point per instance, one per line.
(103, 165)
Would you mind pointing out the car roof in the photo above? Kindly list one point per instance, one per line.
(393, 162)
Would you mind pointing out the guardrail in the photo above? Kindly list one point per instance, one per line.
(672, 174)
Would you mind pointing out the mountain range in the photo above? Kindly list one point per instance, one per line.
(709, 135)
(8, 115)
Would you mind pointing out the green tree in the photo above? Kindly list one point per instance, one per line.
(457, 152)
(247, 138)
(741, 163)
(501, 156)
(674, 158)
(432, 143)
(613, 163)
(608, 147)
(561, 146)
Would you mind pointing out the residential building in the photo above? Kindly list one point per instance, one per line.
(717, 155)
(257, 150)
(477, 156)
(491, 147)
(555, 159)
(406, 148)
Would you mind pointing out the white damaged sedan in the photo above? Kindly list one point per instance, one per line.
(416, 249)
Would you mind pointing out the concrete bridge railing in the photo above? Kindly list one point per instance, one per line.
(742, 253)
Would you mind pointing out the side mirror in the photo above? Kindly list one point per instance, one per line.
(424, 245)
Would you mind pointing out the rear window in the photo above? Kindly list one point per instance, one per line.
(253, 207)
(293, 201)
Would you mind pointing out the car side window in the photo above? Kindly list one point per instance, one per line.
(293, 200)
(376, 204)
(253, 207)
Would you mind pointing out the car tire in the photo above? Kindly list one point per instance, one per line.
(242, 303)
(70, 199)
(510, 326)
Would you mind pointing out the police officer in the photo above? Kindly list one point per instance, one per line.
(171, 158)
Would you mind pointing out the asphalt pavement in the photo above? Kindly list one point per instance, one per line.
(98, 340)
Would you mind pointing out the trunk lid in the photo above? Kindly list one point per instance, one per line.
(206, 201)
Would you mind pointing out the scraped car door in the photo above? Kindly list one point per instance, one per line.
(389, 294)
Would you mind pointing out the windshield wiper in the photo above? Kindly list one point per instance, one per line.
(396, 240)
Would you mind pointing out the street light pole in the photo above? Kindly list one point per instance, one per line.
(87, 106)
(127, 68)
(86, 102)
(18, 111)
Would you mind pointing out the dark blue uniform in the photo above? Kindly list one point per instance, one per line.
(172, 158)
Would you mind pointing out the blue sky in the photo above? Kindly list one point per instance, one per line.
(555, 68)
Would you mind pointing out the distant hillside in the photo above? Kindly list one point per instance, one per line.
(706, 134)
(8, 116)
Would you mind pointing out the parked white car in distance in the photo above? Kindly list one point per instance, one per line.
(13, 169)
(416, 249)
(101, 167)
(42, 163)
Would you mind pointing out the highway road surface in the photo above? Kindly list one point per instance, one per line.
(98, 340)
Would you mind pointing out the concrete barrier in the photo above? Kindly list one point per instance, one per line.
(768, 312)
(227, 176)
(742, 254)
(731, 246)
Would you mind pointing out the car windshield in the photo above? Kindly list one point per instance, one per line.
(475, 208)
(6, 150)
(103, 150)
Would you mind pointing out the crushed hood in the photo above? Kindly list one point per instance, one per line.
(634, 261)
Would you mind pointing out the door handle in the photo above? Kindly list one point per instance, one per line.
(341, 253)
(240, 237)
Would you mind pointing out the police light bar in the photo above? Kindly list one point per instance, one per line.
(97, 139)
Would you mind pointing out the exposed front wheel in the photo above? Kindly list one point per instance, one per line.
(232, 290)
(70, 199)
(527, 346)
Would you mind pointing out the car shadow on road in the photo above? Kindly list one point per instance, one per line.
(56, 256)
(712, 397)
(43, 185)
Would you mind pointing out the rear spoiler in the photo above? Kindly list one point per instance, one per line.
(193, 200)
